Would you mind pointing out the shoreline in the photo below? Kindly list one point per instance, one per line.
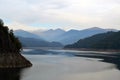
(99, 50)
(14, 60)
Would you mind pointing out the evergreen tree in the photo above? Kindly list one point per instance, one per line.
(8, 41)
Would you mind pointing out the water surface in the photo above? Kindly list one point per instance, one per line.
(64, 65)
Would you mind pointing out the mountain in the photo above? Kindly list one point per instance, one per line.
(109, 40)
(32, 42)
(71, 36)
(26, 34)
(49, 35)
(74, 35)
(68, 37)
(29, 39)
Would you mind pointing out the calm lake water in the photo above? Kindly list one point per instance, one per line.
(50, 64)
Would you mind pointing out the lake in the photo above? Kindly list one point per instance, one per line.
(58, 64)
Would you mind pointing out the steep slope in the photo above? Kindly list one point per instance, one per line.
(10, 48)
(109, 40)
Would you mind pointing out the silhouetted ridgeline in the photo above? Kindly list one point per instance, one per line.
(10, 49)
(104, 41)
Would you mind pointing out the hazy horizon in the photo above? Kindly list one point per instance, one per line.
(64, 14)
(42, 30)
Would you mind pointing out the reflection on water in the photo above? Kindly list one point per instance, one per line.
(10, 74)
(66, 65)
(109, 57)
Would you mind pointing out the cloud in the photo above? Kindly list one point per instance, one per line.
(16, 26)
(62, 13)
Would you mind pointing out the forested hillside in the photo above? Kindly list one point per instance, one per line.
(8, 42)
(109, 40)
(10, 48)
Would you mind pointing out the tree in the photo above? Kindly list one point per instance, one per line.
(8, 41)
(1, 23)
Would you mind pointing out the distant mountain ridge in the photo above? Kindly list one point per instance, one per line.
(26, 34)
(62, 36)
(49, 35)
(29, 39)
(32, 42)
(72, 36)
(108, 40)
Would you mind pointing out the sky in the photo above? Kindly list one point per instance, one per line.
(64, 14)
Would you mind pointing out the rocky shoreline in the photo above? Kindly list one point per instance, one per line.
(10, 48)
(13, 61)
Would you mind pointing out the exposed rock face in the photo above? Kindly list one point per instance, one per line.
(11, 60)
(10, 48)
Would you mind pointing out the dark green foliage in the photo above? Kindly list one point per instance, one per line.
(8, 42)
(109, 40)
(1, 23)
(9, 50)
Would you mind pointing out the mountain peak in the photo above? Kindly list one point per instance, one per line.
(94, 28)
(19, 30)
(73, 30)
(27, 34)
(59, 29)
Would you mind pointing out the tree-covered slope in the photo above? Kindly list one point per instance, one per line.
(109, 40)
(10, 48)
(8, 42)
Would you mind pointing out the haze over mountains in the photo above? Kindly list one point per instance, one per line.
(26, 34)
(57, 36)
(104, 41)
(32, 42)
(71, 36)
(50, 35)
(29, 39)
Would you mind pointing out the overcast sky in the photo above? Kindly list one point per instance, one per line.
(65, 14)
